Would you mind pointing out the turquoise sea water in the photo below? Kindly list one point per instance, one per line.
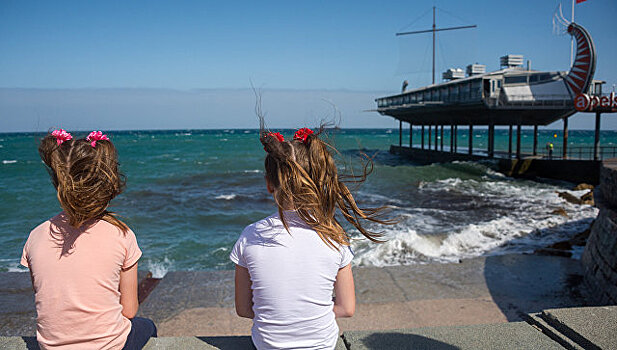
(190, 193)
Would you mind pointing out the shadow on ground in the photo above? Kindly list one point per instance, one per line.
(229, 343)
(394, 340)
(522, 284)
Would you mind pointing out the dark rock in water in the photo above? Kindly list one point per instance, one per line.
(560, 211)
(553, 252)
(583, 186)
(570, 198)
(581, 238)
(564, 245)
(587, 198)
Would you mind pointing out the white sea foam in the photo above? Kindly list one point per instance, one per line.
(159, 268)
(226, 197)
(9, 161)
(528, 222)
(252, 171)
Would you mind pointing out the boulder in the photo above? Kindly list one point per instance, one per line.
(560, 211)
(583, 186)
(570, 198)
(587, 198)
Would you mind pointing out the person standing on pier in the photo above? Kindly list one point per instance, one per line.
(288, 264)
(549, 149)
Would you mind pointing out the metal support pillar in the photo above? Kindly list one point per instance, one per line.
(596, 143)
(455, 138)
(441, 139)
(451, 138)
(510, 142)
(535, 140)
(436, 138)
(410, 135)
(430, 135)
(491, 140)
(470, 139)
(400, 133)
(518, 141)
(565, 138)
(422, 136)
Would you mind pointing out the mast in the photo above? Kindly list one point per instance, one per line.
(434, 30)
(434, 44)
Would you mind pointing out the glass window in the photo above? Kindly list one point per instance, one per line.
(516, 79)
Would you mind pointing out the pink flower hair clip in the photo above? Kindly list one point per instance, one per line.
(96, 136)
(61, 136)
(302, 134)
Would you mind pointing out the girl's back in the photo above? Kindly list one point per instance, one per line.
(289, 264)
(292, 275)
(76, 274)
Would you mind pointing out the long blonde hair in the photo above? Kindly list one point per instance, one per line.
(86, 178)
(304, 177)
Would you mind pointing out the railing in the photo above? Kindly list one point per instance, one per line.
(574, 152)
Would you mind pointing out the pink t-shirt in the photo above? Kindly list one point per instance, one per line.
(76, 276)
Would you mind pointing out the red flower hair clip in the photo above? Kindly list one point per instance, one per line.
(96, 136)
(61, 136)
(277, 135)
(302, 134)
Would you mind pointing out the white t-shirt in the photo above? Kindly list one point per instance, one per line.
(292, 275)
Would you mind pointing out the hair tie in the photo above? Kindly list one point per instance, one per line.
(302, 134)
(61, 136)
(96, 136)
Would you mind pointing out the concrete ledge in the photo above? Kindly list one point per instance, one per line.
(514, 335)
(590, 327)
(180, 343)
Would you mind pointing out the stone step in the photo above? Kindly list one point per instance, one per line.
(513, 335)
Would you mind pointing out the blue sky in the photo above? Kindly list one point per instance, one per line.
(189, 64)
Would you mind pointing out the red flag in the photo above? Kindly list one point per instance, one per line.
(579, 1)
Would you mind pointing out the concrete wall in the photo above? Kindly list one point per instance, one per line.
(600, 255)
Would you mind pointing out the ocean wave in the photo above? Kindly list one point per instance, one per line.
(9, 161)
(519, 217)
(159, 268)
(226, 197)
(252, 171)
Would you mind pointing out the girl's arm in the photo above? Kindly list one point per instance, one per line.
(244, 293)
(128, 291)
(345, 301)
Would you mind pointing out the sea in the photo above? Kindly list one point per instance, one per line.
(190, 193)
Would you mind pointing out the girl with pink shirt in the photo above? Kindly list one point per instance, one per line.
(83, 261)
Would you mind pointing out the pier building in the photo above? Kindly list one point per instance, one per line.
(515, 97)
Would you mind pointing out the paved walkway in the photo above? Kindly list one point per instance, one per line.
(476, 291)
(478, 300)
(571, 328)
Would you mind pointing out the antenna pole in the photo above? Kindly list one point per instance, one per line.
(434, 44)
(434, 30)
(572, 38)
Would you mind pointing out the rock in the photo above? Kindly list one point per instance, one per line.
(564, 245)
(587, 198)
(570, 197)
(553, 252)
(581, 238)
(560, 211)
(583, 186)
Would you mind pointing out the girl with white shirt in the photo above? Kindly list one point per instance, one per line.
(289, 264)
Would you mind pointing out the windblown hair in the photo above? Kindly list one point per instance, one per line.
(86, 178)
(305, 178)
